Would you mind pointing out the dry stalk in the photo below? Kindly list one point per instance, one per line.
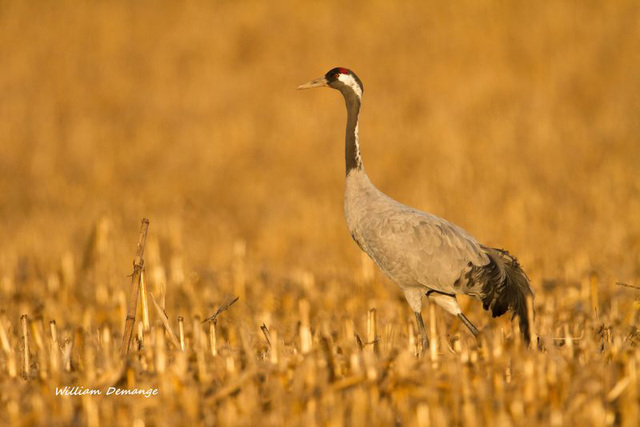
(359, 341)
(200, 346)
(6, 347)
(229, 301)
(273, 351)
(66, 355)
(305, 330)
(327, 349)
(25, 343)
(140, 335)
(37, 330)
(138, 265)
(144, 302)
(165, 321)
(265, 332)
(4, 338)
(54, 354)
(181, 331)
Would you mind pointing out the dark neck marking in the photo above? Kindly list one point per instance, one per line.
(352, 147)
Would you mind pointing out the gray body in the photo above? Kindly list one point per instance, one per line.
(417, 250)
(422, 253)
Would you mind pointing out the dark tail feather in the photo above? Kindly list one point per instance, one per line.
(506, 287)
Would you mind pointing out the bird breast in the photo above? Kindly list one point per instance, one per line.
(413, 248)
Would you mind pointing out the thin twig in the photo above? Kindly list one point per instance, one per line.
(265, 331)
(626, 285)
(138, 265)
(223, 307)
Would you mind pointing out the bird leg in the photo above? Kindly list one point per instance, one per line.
(423, 332)
(468, 324)
(450, 304)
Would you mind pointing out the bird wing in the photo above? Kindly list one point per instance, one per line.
(414, 247)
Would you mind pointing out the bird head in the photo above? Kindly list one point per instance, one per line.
(338, 78)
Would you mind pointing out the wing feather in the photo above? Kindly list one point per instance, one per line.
(416, 247)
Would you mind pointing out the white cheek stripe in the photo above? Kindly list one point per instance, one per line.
(348, 80)
(358, 156)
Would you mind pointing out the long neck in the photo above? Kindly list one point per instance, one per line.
(352, 148)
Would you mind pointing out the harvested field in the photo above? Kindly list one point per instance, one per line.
(518, 122)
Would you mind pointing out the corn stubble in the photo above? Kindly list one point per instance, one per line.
(523, 131)
(301, 363)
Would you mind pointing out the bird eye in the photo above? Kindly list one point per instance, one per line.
(336, 75)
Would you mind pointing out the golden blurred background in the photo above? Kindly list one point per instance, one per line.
(519, 122)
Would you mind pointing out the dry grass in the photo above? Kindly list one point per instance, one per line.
(518, 122)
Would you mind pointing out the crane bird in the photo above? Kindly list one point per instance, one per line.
(422, 253)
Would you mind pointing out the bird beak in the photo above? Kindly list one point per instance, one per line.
(319, 82)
